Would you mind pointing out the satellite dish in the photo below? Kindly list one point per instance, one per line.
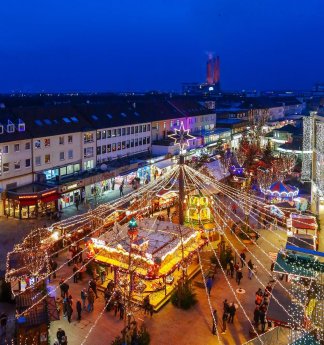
(103, 167)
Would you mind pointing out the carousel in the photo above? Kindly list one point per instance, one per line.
(280, 190)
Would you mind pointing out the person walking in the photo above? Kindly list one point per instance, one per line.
(242, 257)
(262, 319)
(250, 268)
(224, 319)
(225, 306)
(77, 203)
(60, 334)
(214, 321)
(64, 287)
(84, 296)
(79, 309)
(209, 284)
(75, 273)
(93, 286)
(91, 296)
(69, 311)
(239, 276)
(256, 316)
(231, 311)
(121, 192)
(228, 269)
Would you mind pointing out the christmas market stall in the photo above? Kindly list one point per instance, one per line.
(303, 225)
(164, 199)
(157, 251)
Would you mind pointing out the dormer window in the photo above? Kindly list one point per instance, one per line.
(21, 126)
(10, 127)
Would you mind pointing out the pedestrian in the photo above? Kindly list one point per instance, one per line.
(103, 276)
(60, 334)
(79, 309)
(250, 268)
(77, 203)
(224, 319)
(93, 286)
(64, 288)
(231, 263)
(65, 303)
(121, 187)
(256, 316)
(239, 276)
(214, 321)
(84, 296)
(228, 269)
(262, 319)
(91, 296)
(258, 300)
(231, 311)
(75, 273)
(242, 257)
(225, 306)
(209, 284)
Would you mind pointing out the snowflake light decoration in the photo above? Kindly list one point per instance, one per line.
(181, 137)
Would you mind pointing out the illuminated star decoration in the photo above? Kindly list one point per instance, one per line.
(181, 137)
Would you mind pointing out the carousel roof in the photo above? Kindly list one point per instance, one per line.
(282, 188)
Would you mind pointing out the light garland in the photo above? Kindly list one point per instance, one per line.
(307, 147)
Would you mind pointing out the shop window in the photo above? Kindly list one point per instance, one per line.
(70, 154)
(47, 142)
(88, 152)
(69, 169)
(87, 137)
(38, 160)
(140, 142)
(128, 144)
(27, 163)
(136, 142)
(132, 130)
(70, 139)
(63, 171)
(109, 148)
(77, 167)
(124, 131)
(62, 156)
(144, 141)
(108, 133)
(132, 143)
(119, 146)
(148, 140)
(61, 140)
(17, 147)
(37, 144)
(103, 136)
(27, 146)
(103, 149)
(123, 145)
(118, 132)
(128, 130)
(136, 129)
(98, 150)
(5, 149)
(113, 147)
(17, 165)
(140, 129)
(98, 135)
(5, 167)
(47, 159)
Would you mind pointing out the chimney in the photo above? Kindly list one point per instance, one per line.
(216, 79)
(209, 76)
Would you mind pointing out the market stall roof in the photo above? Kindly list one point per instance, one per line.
(165, 194)
(306, 339)
(217, 170)
(300, 221)
(276, 313)
(301, 241)
(294, 264)
(281, 189)
(164, 164)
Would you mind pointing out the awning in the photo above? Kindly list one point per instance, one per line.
(27, 202)
(51, 197)
(164, 164)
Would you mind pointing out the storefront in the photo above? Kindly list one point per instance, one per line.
(23, 205)
(71, 193)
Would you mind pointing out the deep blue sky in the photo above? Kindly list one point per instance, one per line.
(122, 45)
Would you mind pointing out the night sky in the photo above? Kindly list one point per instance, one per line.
(123, 45)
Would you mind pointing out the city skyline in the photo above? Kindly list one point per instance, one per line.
(100, 47)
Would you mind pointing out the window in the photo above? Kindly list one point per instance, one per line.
(21, 126)
(108, 148)
(98, 135)
(98, 150)
(118, 132)
(88, 152)
(113, 147)
(128, 144)
(38, 160)
(70, 139)
(70, 154)
(140, 128)
(87, 137)
(123, 145)
(164, 125)
(144, 128)
(66, 120)
(103, 149)
(16, 147)
(48, 121)
(10, 127)
(47, 159)
(63, 171)
(148, 128)
(148, 140)
(140, 141)
(103, 135)
(171, 123)
(27, 146)
(132, 143)
(108, 133)
(27, 163)
(178, 123)
(17, 165)
(37, 144)
(119, 146)
(62, 156)
(144, 141)
(128, 130)
(5, 167)
(74, 119)
(136, 142)
(47, 142)
(132, 130)
(77, 167)
(136, 129)
(5, 149)
(124, 131)
(61, 140)
(69, 169)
